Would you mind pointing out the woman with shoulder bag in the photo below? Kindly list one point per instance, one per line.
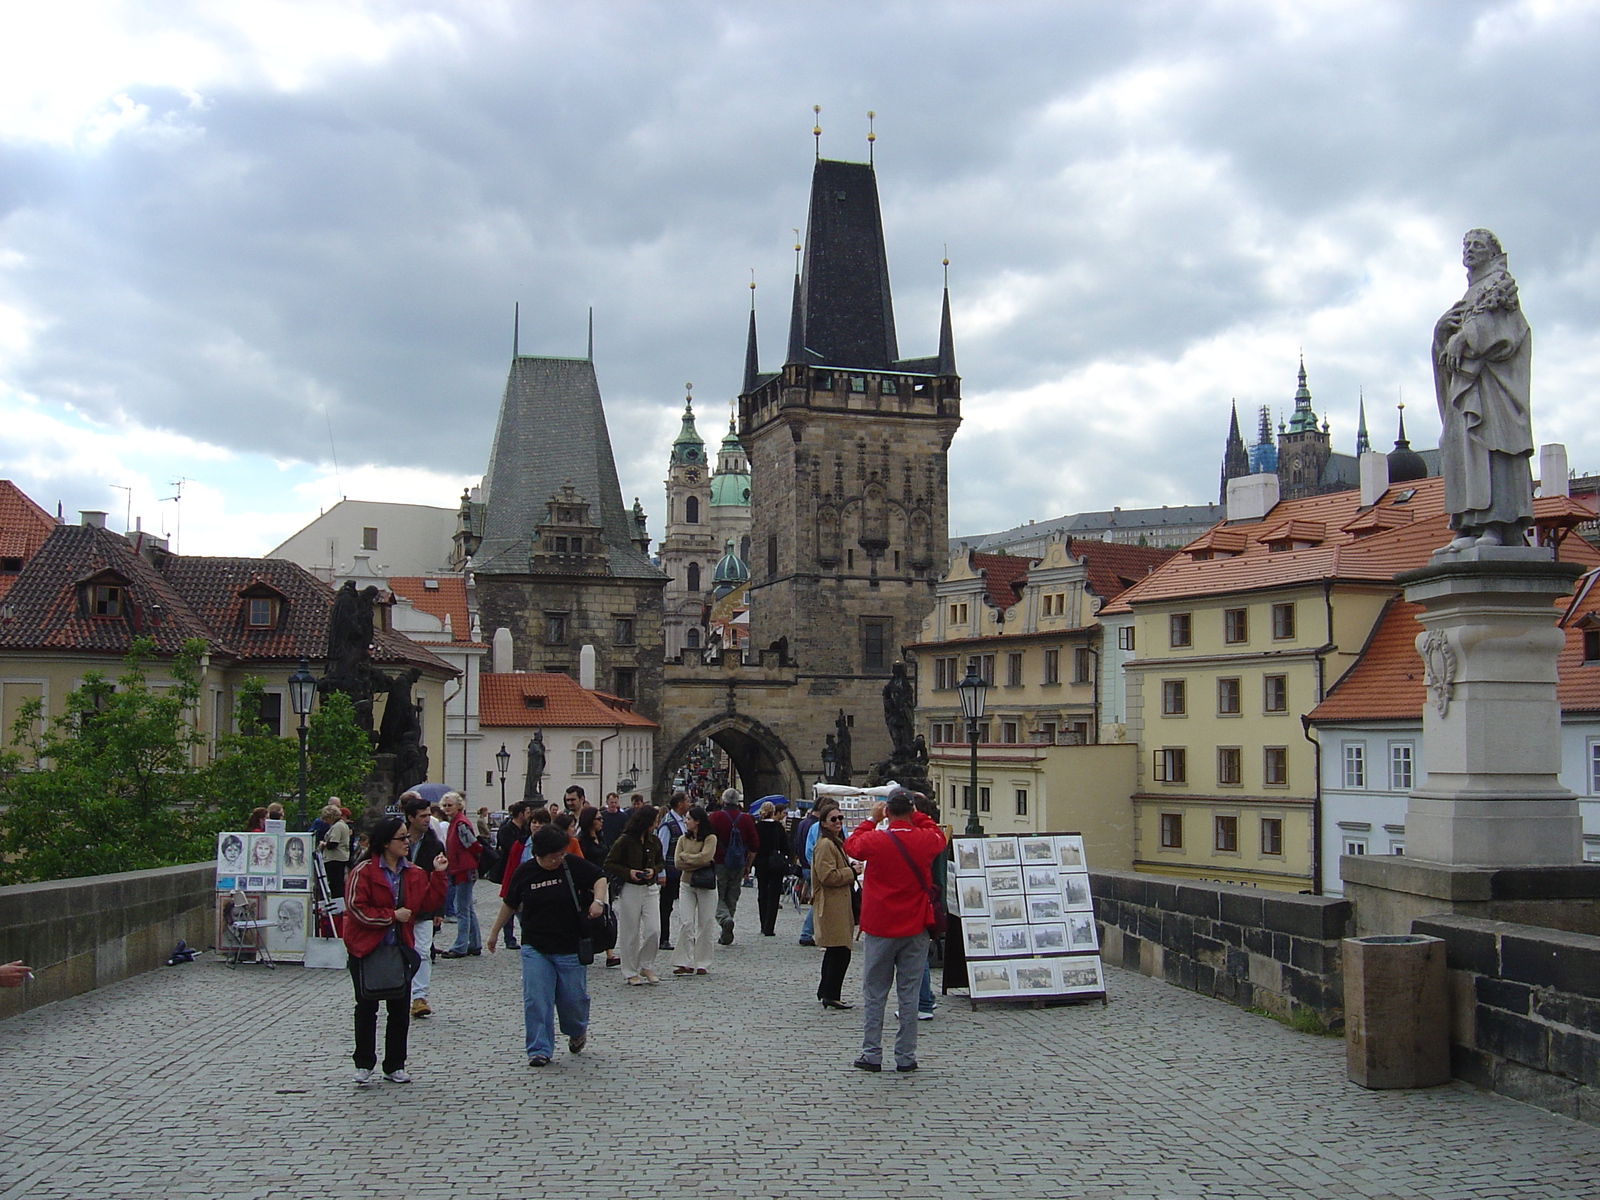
(382, 897)
(635, 860)
(833, 879)
(772, 866)
(697, 901)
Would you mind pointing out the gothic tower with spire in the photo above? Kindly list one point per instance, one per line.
(1303, 448)
(847, 452)
(1235, 458)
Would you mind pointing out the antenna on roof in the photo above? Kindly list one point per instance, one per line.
(591, 333)
(332, 450)
(871, 136)
(516, 327)
(177, 520)
(127, 521)
(816, 130)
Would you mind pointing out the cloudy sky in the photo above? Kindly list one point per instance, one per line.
(240, 242)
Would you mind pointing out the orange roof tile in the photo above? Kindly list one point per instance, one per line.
(23, 528)
(448, 598)
(547, 698)
(1000, 574)
(1113, 568)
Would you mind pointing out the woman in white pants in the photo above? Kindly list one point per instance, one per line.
(697, 901)
(635, 860)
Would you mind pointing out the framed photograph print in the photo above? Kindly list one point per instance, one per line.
(1040, 850)
(991, 979)
(1004, 910)
(1045, 908)
(1081, 933)
(974, 894)
(1075, 893)
(1069, 852)
(1040, 879)
(1035, 978)
(969, 856)
(1011, 939)
(1080, 974)
(1050, 938)
(976, 938)
(999, 851)
(1005, 881)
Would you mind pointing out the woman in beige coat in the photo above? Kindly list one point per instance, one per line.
(833, 925)
(697, 906)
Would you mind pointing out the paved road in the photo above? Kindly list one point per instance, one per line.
(202, 1081)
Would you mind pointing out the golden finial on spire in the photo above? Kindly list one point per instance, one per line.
(797, 252)
(752, 288)
(816, 130)
(688, 395)
(871, 136)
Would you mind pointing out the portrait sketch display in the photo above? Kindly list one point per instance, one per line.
(1011, 939)
(295, 853)
(287, 933)
(969, 856)
(999, 851)
(991, 979)
(1040, 879)
(976, 939)
(1037, 850)
(1007, 910)
(1079, 974)
(230, 859)
(1005, 881)
(974, 894)
(1080, 932)
(262, 854)
(1049, 938)
(1075, 893)
(1045, 908)
(1069, 851)
(1035, 977)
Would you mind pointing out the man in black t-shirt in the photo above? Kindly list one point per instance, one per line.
(554, 983)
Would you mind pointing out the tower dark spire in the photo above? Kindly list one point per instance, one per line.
(947, 341)
(1405, 464)
(516, 326)
(591, 333)
(1363, 442)
(797, 327)
(1235, 458)
(752, 360)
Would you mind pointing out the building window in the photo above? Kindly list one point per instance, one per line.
(1594, 768)
(1236, 626)
(583, 759)
(1355, 765)
(958, 614)
(1080, 665)
(1022, 802)
(1275, 693)
(1045, 734)
(1174, 698)
(1172, 831)
(1271, 835)
(983, 733)
(1125, 638)
(624, 631)
(106, 600)
(1052, 666)
(691, 639)
(625, 677)
(1013, 670)
(946, 673)
(1591, 645)
(943, 732)
(772, 554)
(1282, 622)
(1275, 766)
(369, 538)
(1227, 834)
(555, 628)
(966, 797)
(985, 665)
(1400, 765)
(263, 614)
(272, 712)
(693, 580)
(744, 546)
(1008, 732)
(1227, 697)
(1172, 766)
(1229, 771)
(691, 511)
(1178, 630)
(874, 637)
(983, 799)
(1355, 845)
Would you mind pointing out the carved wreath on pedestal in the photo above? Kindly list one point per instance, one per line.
(1439, 668)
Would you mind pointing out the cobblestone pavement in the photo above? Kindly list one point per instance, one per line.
(203, 1081)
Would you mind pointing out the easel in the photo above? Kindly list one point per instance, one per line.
(247, 932)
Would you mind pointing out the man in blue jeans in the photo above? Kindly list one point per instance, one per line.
(461, 851)
(558, 894)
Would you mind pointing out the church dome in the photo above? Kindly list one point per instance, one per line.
(730, 569)
(730, 488)
(1405, 464)
(688, 449)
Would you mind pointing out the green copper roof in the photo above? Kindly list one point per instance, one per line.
(730, 567)
(730, 488)
(688, 448)
(1303, 419)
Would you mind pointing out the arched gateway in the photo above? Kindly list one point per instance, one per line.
(764, 763)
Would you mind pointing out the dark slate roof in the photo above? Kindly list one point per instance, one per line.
(847, 315)
(552, 429)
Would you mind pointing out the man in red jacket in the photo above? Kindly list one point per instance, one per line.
(462, 849)
(895, 912)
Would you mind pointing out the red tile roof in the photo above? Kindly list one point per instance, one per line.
(1113, 568)
(1000, 574)
(447, 598)
(546, 698)
(23, 528)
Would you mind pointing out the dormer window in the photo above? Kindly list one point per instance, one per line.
(262, 614)
(107, 600)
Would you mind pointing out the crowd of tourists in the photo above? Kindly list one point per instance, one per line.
(575, 881)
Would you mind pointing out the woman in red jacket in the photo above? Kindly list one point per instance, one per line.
(382, 897)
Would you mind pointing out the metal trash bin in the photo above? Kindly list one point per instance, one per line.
(1396, 1012)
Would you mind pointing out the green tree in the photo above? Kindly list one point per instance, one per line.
(338, 755)
(252, 767)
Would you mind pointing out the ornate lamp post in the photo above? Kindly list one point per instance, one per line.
(830, 760)
(971, 690)
(503, 762)
(302, 691)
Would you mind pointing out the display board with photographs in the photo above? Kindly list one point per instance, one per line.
(274, 870)
(1027, 917)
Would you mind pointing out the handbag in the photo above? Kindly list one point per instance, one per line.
(704, 878)
(385, 973)
(602, 933)
(937, 922)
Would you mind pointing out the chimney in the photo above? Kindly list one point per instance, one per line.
(1374, 469)
(1553, 476)
(502, 652)
(1251, 497)
(586, 667)
(92, 519)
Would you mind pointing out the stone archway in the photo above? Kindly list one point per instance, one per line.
(765, 765)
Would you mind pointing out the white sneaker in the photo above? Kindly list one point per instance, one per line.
(924, 1016)
(397, 1076)
(362, 1076)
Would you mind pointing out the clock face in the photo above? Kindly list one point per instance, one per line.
(692, 475)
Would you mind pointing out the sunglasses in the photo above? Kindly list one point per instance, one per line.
(834, 820)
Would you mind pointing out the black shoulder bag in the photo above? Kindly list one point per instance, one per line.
(937, 922)
(602, 930)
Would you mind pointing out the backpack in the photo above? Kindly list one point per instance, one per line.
(674, 824)
(734, 858)
(800, 834)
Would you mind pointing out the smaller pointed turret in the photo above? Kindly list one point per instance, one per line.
(688, 449)
(1303, 419)
(797, 328)
(1405, 464)
(1235, 458)
(1363, 442)
(947, 341)
(752, 360)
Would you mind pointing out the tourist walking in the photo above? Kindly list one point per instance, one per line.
(508, 841)
(383, 896)
(895, 914)
(557, 895)
(462, 849)
(772, 866)
(335, 849)
(736, 846)
(424, 848)
(634, 860)
(804, 838)
(590, 840)
(833, 879)
(667, 833)
(695, 857)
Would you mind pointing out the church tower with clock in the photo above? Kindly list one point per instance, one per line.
(689, 548)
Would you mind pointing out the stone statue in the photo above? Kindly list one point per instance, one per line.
(530, 782)
(899, 712)
(350, 669)
(400, 723)
(1482, 353)
(841, 749)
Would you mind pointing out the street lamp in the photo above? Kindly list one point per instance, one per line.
(830, 760)
(302, 691)
(503, 761)
(971, 690)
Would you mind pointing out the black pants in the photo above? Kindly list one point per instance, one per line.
(394, 1033)
(835, 962)
(669, 897)
(335, 872)
(769, 895)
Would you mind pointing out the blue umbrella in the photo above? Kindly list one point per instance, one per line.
(431, 792)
